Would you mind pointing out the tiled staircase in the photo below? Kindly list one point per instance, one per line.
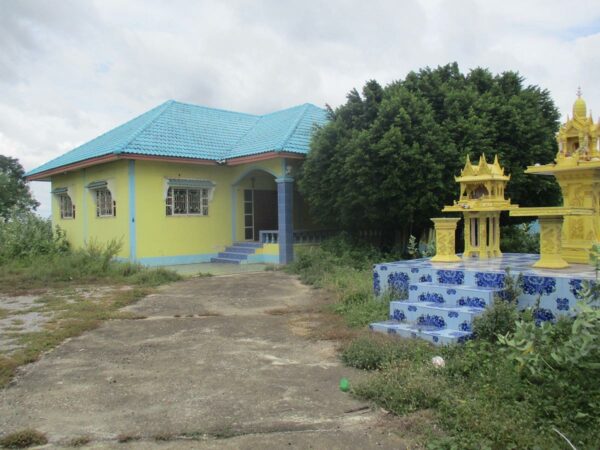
(440, 312)
(237, 253)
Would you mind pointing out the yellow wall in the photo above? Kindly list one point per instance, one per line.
(86, 226)
(162, 239)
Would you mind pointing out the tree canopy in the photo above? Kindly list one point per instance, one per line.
(387, 159)
(15, 195)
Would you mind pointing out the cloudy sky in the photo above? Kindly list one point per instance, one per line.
(72, 69)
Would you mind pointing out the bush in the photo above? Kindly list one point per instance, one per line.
(27, 235)
(375, 352)
(404, 387)
(23, 439)
(497, 319)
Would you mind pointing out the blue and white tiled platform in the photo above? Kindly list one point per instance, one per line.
(443, 298)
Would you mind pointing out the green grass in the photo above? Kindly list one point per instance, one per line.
(23, 439)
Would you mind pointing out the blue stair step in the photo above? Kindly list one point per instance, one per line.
(444, 336)
(232, 255)
(236, 249)
(248, 244)
(455, 317)
(452, 295)
(224, 260)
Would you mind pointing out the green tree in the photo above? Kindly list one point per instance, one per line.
(15, 195)
(387, 159)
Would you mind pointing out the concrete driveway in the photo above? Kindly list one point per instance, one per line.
(218, 362)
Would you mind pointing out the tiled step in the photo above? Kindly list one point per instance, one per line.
(455, 317)
(444, 336)
(237, 249)
(232, 255)
(452, 295)
(224, 260)
(248, 244)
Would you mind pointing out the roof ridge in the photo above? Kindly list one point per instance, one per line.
(217, 109)
(294, 127)
(165, 106)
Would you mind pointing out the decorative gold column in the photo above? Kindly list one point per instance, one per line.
(468, 237)
(550, 243)
(445, 240)
(483, 237)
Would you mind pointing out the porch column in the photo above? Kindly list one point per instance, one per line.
(285, 195)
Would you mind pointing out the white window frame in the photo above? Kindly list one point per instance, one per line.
(105, 205)
(184, 208)
(66, 206)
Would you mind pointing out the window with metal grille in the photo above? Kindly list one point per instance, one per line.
(187, 202)
(67, 208)
(105, 206)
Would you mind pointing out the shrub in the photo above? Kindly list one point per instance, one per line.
(23, 439)
(404, 387)
(501, 316)
(27, 235)
(375, 352)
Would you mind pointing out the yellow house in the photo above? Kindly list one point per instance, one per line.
(185, 183)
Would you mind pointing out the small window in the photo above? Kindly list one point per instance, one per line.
(67, 208)
(105, 206)
(187, 202)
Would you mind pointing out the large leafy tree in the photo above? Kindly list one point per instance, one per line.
(15, 195)
(387, 159)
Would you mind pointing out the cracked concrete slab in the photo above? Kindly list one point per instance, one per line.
(211, 361)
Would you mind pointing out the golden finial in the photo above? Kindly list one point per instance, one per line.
(578, 91)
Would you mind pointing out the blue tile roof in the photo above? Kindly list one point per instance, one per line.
(176, 129)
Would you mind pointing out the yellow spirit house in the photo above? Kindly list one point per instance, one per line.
(184, 184)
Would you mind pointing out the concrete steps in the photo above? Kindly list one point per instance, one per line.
(237, 253)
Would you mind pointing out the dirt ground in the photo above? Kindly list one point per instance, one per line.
(217, 362)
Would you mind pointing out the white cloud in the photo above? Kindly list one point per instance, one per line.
(73, 69)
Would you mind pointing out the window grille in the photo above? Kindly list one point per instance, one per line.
(187, 202)
(67, 209)
(105, 206)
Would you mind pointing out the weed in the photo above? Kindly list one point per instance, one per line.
(79, 441)
(126, 437)
(23, 439)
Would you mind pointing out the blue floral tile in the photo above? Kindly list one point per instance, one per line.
(383, 267)
(412, 308)
(562, 304)
(376, 283)
(543, 315)
(414, 270)
(473, 302)
(436, 339)
(413, 287)
(489, 280)
(413, 335)
(425, 278)
(391, 330)
(575, 287)
(450, 276)
(465, 326)
(398, 282)
(431, 297)
(399, 315)
(463, 339)
(534, 285)
(451, 291)
(452, 314)
(431, 321)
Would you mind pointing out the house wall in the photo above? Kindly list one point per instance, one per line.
(162, 239)
(86, 227)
